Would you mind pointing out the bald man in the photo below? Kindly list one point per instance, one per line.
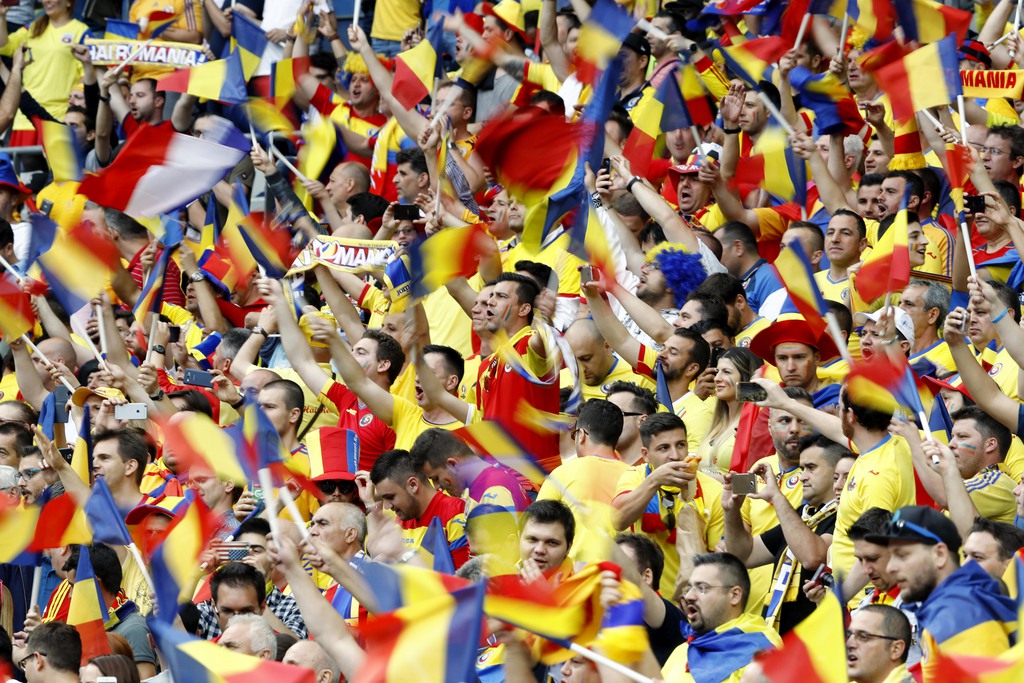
(34, 380)
(309, 654)
(347, 179)
(599, 367)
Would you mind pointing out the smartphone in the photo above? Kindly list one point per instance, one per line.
(974, 203)
(586, 274)
(47, 206)
(606, 165)
(749, 392)
(407, 212)
(199, 378)
(61, 398)
(99, 679)
(131, 411)
(823, 576)
(175, 334)
(744, 484)
(716, 353)
(67, 453)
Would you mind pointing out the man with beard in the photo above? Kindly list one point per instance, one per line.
(962, 610)
(877, 642)
(714, 604)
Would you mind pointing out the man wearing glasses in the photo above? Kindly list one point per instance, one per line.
(714, 606)
(32, 476)
(52, 655)
(962, 610)
(237, 588)
(877, 643)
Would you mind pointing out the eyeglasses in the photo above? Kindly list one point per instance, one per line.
(21, 664)
(863, 637)
(899, 524)
(27, 474)
(703, 588)
(342, 486)
(577, 430)
(228, 613)
(994, 151)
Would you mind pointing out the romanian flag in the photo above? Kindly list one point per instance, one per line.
(95, 258)
(662, 392)
(266, 118)
(775, 167)
(203, 661)
(623, 635)
(887, 384)
(51, 523)
(642, 142)
(959, 164)
(221, 80)
(81, 457)
(814, 651)
(927, 77)
(835, 110)
(750, 61)
(44, 232)
(924, 21)
(397, 586)
(236, 250)
(152, 296)
(156, 22)
(124, 30)
(714, 655)
(323, 150)
(877, 18)
(284, 80)
(490, 438)
(448, 254)
(675, 113)
(88, 613)
(175, 565)
(434, 548)
(271, 248)
(249, 41)
(695, 94)
(62, 151)
(440, 634)
(417, 67)
(601, 38)
(508, 144)
(195, 440)
(16, 317)
(106, 521)
(795, 272)
(887, 267)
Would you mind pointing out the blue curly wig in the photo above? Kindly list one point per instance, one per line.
(683, 272)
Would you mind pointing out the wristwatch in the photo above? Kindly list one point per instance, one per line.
(158, 396)
(595, 199)
(159, 348)
(197, 276)
(259, 329)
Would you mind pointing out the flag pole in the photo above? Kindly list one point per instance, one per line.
(1016, 26)
(965, 232)
(92, 345)
(935, 122)
(449, 99)
(46, 361)
(610, 663)
(770, 106)
(356, 11)
(152, 333)
(803, 29)
(10, 269)
(134, 550)
(650, 29)
(1002, 40)
(963, 117)
(131, 57)
(37, 582)
(274, 152)
(103, 330)
(842, 33)
(267, 484)
(289, 504)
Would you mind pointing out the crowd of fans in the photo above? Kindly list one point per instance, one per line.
(693, 428)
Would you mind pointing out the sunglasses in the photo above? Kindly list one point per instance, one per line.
(342, 486)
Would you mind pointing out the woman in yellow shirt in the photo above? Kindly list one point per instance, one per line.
(736, 365)
(52, 71)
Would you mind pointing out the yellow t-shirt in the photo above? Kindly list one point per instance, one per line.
(716, 454)
(555, 257)
(939, 355)
(408, 423)
(53, 71)
(328, 416)
(938, 257)
(744, 336)
(696, 415)
(449, 324)
(1004, 371)
(392, 18)
(707, 500)
(9, 387)
(1013, 465)
(770, 222)
(592, 481)
(467, 387)
(67, 203)
(834, 290)
(620, 372)
(991, 491)
(881, 477)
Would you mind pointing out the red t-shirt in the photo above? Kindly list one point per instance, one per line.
(451, 511)
(172, 278)
(375, 436)
(499, 392)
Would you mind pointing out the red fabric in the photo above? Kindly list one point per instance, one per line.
(172, 293)
(375, 436)
(444, 507)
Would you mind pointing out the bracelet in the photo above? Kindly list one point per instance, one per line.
(105, 99)
(1000, 316)
(629, 185)
(731, 131)
(240, 401)
(158, 396)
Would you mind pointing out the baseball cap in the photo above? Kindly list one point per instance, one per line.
(168, 506)
(920, 524)
(83, 393)
(707, 150)
(975, 51)
(904, 325)
(638, 44)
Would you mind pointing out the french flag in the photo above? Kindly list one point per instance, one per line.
(161, 170)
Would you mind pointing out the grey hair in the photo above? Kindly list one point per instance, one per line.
(354, 518)
(261, 636)
(853, 146)
(8, 477)
(935, 296)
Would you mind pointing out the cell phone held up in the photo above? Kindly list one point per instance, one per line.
(199, 378)
(750, 392)
(974, 203)
(586, 274)
(744, 484)
(407, 212)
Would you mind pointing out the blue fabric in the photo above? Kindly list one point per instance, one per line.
(967, 598)
(714, 656)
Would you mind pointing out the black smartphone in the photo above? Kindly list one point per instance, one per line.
(67, 453)
(175, 334)
(46, 207)
(199, 378)
(606, 165)
(974, 203)
(407, 212)
(749, 392)
(716, 353)
(61, 398)
(744, 484)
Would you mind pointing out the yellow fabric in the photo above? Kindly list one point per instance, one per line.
(555, 256)
(1013, 465)
(53, 71)
(135, 585)
(620, 372)
(1004, 371)
(67, 203)
(592, 481)
(771, 223)
(833, 291)
(190, 18)
(882, 477)
(408, 423)
(991, 491)
(936, 255)
(377, 304)
(467, 387)
(939, 355)
(405, 384)
(696, 415)
(716, 454)
(676, 669)
(9, 387)
(328, 416)
(744, 336)
(392, 18)
(449, 324)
